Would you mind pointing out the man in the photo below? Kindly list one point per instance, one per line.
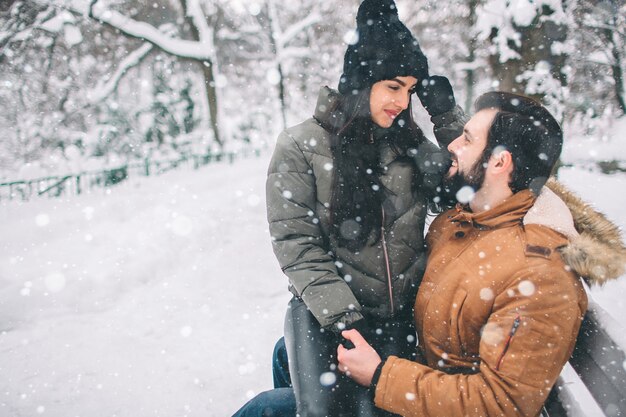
(498, 311)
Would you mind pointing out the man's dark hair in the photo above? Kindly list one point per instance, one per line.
(529, 132)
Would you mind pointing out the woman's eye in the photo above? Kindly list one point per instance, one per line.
(394, 87)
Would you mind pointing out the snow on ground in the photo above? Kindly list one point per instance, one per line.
(160, 296)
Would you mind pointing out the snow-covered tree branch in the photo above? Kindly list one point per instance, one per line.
(104, 88)
(200, 51)
(103, 79)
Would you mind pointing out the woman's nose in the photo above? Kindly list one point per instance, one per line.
(402, 102)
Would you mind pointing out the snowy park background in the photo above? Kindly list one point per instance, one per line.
(160, 296)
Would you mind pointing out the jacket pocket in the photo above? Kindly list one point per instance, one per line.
(508, 340)
(532, 356)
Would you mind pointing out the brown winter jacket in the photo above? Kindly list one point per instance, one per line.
(497, 316)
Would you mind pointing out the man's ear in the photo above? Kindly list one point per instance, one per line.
(502, 161)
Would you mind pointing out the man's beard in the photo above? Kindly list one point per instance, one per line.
(452, 185)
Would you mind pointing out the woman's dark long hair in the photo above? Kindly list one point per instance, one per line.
(357, 192)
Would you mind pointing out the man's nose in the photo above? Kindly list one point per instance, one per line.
(454, 144)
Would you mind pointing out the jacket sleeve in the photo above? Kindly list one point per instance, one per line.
(523, 347)
(298, 241)
(449, 125)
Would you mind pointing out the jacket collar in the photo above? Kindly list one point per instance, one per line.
(507, 214)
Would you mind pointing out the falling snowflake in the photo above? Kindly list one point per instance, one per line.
(328, 378)
(486, 294)
(465, 194)
(55, 282)
(254, 8)
(42, 220)
(182, 226)
(273, 76)
(492, 334)
(253, 200)
(526, 288)
(186, 331)
(351, 37)
(88, 212)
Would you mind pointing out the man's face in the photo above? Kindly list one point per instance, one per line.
(467, 153)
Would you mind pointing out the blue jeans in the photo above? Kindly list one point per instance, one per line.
(280, 401)
(280, 365)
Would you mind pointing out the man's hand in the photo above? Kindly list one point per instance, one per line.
(360, 362)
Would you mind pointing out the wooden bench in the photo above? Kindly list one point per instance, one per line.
(601, 365)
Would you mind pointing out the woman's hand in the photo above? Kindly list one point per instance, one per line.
(358, 363)
(436, 95)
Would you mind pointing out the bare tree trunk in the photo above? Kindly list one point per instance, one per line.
(618, 77)
(49, 65)
(211, 93)
(469, 79)
(209, 79)
(5, 5)
(536, 46)
(279, 67)
(281, 95)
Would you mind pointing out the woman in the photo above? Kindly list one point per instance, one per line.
(347, 196)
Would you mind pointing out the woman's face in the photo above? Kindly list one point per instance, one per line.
(389, 98)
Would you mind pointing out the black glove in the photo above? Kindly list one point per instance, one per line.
(360, 326)
(436, 95)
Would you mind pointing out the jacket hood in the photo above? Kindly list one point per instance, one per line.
(326, 104)
(597, 253)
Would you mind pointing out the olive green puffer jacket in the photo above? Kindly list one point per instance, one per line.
(337, 284)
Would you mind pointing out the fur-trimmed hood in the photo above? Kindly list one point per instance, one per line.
(597, 253)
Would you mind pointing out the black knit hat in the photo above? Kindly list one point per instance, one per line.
(385, 49)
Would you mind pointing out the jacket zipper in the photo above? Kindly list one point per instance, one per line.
(516, 323)
(384, 242)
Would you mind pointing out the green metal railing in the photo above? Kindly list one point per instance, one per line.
(76, 184)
